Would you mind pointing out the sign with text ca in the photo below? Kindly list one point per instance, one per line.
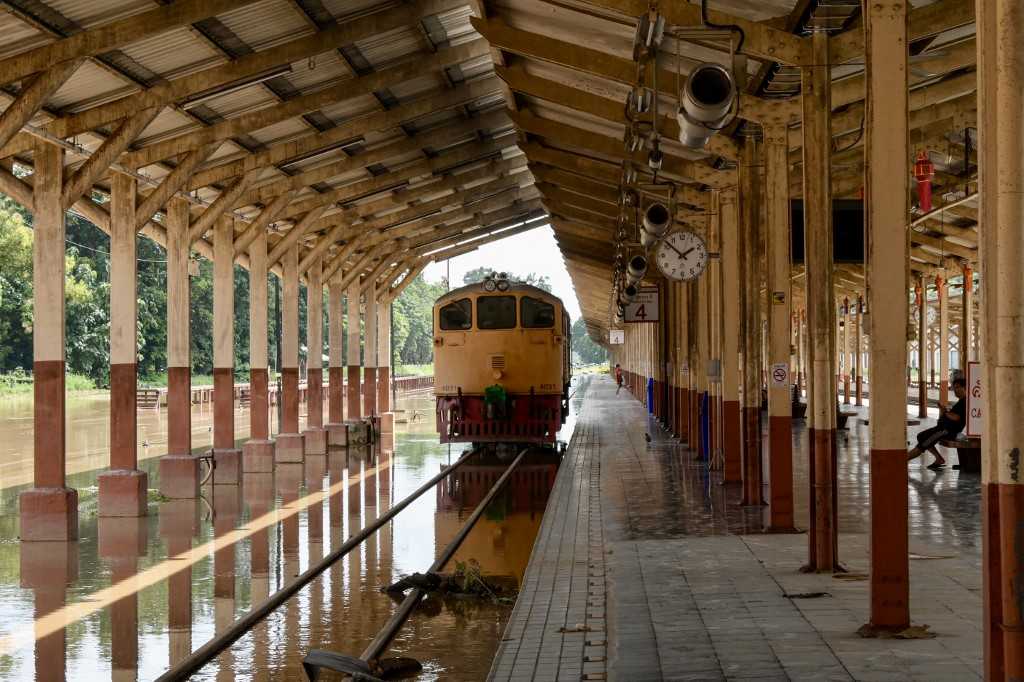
(644, 308)
(975, 400)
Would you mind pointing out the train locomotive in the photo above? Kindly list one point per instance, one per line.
(501, 363)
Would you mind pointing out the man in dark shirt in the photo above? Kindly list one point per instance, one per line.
(618, 379)
(951, 422)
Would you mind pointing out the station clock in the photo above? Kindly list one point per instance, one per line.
(682, 256)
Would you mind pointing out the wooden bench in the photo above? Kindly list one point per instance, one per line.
(147, 398)
(968, 453)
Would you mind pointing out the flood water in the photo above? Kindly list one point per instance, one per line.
(132, 597)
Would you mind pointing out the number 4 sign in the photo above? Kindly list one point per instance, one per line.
(644, 308)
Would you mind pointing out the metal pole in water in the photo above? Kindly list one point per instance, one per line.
(212, 648)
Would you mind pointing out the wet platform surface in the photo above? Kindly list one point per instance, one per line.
(647, 568)
(134, 597)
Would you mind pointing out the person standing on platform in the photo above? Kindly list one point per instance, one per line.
(618, 379)
(951, 423)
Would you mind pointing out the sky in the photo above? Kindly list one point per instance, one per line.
(534, 251)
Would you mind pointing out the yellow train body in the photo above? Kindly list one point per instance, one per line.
(513, 342)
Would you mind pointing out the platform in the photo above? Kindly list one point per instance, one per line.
(646, 568)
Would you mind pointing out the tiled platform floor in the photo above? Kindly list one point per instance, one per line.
(647, 568)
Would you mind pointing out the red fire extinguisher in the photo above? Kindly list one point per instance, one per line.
(924, 169)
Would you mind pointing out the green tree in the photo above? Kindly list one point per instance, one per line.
(584, 350)
(15, 288)
(480, 274)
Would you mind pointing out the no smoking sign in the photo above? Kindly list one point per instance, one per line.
(780, 375)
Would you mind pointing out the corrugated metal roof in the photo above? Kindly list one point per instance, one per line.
(266, 23)
(90, 85)
(322, 70)
(284, 130)
(411, 89)
(19, 35)
(174, 53)
(87, 13)
(391, 46)
(456, 22)
(168, 122)
(241, 101)
(357, 106)
(343, 9)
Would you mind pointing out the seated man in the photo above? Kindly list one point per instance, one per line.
(951, 423)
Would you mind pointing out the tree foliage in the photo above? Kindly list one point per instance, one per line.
(584, 350)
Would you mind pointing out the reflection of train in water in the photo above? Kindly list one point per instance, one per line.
(501, 363)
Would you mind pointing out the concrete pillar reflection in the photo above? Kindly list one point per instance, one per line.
(48, 568)
(122, 542)
(123, 489)
(179, 523)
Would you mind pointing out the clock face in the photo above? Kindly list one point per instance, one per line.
(682, 256)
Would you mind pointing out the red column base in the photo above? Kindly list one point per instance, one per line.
(258, 457)
(49, 514)
(337, 435)
(123, 492)
(289, 448)
(179, 476)
(315, 441)
(890, 558)
(227, 466)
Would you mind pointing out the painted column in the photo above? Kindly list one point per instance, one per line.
(289, 441)
(858, 354)
(370, 352)
(921, 293)
(967, 320)
(714, 277)
(315, 436)
(751, 328)
(1001, 116)
(123, 489)
(49, 510)
(336, 361)
(847, 351)
(227, 458)
(886, 194)
(384, 356)
(258, 452)
(942, 291)
(780, 332)
(355, 403)
(816, 99)
(179, 470)
(686, 429)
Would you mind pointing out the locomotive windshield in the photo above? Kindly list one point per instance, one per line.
(456, 315)
(496, 312)
(537, 314)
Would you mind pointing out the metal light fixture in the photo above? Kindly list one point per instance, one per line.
(636, 269)
(705, 101)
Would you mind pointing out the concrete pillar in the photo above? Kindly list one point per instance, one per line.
(887, 256)
(258, 452)
(122, 542)
(686, 429)
(816, 99)
(227, 458)
(780, 410)
(384, 356)
(750, 327)
(336, 431)
(123, 489)
(847, 351)
(179, 470)
(1001, 123)
(289, 440)
(921, 295)
(49, 510)
(967, 320)
(315, 436)
(370, 336)
(858, 353)
(355, 403)
(942, 291)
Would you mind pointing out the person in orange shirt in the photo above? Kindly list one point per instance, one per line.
(618, 378)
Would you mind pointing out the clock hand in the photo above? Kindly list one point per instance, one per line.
(687, 252)
(669, 243)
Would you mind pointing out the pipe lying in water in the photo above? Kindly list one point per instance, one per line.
(204, 654)
(380, 643)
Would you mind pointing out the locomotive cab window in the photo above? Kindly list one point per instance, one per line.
(496, 312)
(536, 314)
(456, 315)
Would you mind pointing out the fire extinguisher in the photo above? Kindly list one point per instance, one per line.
(924, 169)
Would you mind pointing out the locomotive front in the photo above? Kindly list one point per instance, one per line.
(501, 363)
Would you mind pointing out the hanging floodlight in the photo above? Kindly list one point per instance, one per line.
(629, 293)
(636, 270)
(705, 103)
(657, 219)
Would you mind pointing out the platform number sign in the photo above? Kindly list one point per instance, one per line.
(644, 308)
(975, 400)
